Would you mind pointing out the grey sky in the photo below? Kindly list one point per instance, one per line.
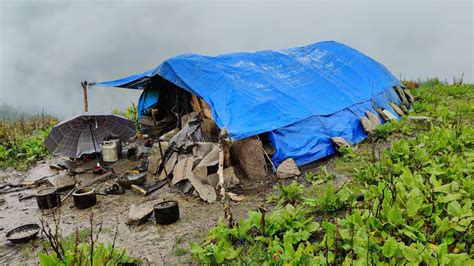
(48, 47)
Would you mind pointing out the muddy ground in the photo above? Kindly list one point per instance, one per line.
(156, 244)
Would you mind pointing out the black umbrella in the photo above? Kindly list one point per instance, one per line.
(81, 134)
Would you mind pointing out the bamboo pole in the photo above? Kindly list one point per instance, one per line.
(84, 91)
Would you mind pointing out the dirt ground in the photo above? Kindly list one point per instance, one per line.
(155, 244)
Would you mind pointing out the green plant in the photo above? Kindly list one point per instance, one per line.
(321, 176)
(416, 209)
(292, 194)
(332, 200)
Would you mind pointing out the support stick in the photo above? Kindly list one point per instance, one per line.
(84, 91)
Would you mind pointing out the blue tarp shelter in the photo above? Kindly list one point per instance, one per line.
(300, 97)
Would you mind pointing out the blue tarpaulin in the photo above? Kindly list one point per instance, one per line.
(301, 96)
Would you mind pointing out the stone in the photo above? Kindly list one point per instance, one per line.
(230, 178)
(366, 125)
(409, 96)
(401, 95)
(38, 173)
(249, 155)
(139, 214)
(419, 118)
(236, 197)
(389, 115)
(340, 142)
(84, 167)
(373, 118)
(381, 114)
(62, 182)
(397, 109)
(287, 168)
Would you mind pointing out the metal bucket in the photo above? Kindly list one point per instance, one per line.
(118, 142)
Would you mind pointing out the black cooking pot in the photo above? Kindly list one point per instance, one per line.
(47, 198)
(84, 198)
(23, 234)
(166, 212)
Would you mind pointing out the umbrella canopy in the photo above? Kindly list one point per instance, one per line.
(81, 134)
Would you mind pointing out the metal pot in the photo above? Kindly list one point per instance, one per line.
(84, 198)
(166, 212)
(23, 234)
(47, 198)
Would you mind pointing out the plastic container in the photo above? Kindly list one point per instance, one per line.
(109, 151)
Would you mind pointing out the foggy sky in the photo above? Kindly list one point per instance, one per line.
(48, 48)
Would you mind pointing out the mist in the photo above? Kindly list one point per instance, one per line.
(47, 48)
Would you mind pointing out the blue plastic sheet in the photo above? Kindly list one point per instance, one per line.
(286, 92)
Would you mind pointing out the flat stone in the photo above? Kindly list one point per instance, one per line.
(340, 142)
(409, 96)
(236, 197)
(249, 154)
(84, 167)
(62, 182)
(230, 178)
(139, 214)
(366, 125)
(401, 94)
(389, 115)
(124, 165)
(61, 165)
(373, 118)
(39, 172)
(419, 119)
(288, 168)
(397, 109)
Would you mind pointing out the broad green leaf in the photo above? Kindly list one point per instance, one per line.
(395, 216)
(390, 247)
(454, 208)
(450, 197)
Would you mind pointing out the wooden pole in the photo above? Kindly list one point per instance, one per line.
(84, 91)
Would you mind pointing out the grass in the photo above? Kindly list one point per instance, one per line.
(21, 141)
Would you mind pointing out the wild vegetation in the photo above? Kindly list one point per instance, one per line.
(409, 200)
(21, 141)
(80, 248)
